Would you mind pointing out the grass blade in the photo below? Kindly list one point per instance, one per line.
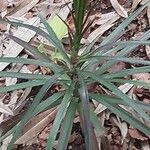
(60, 116)
(31, 109)
(83, 92)
(123, 114)
(67, 126)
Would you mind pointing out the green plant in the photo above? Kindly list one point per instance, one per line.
(75, 74)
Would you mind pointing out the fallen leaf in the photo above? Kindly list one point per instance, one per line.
(148, 14)
(119, 9)
(142, 76)
(134, 133)
(148, 51)
(5, 109)
(135, 4)
(3, 5)
(36, 125)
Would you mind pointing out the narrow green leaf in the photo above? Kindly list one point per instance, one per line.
(30, 48)
(28, 114)
(96, 123)
(49, 64)
(124, 59)
(47, 103)
(122, 53)
(83, 92)
(120, 94)
(124, 24)
(126, 72)
(134, 82)
(60, 116)
(123, 114)
(54, 40)
(22, 85)
(119, 101)
(24, 75)
(66, 128)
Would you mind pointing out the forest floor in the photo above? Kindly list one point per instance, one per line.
(118, 134)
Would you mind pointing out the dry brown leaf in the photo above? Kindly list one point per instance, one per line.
(36, 125)
(148, 14)
(100, 30)
(135, 4)
(144, 1)
(14, 49)
(117, 67)
(148, 51)
(3, 5)
(119, 9)
(142, 76)
(24, 7)
(5, 109)
(134, 133)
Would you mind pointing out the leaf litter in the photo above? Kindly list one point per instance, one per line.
(118, 132)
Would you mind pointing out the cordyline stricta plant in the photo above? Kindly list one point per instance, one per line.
(76, 72)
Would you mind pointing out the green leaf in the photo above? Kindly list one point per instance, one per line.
(24, 75)
(83, 92)
(134, 82)
(96, 123)
(66, 128)
(126, 72)
(55, 41)
(120, 94)
(46, 104)
(122, 53)
(30, 48)
(28, 114)
(22, 85)
(60, 116)
(122, 114)
(124, 24)
(119, 101)
(49, 64)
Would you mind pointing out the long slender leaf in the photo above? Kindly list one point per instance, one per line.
(83, 92)
(30, 48)
(59, 117)
(96, 123)
(124, 24)
(67, 126)
(122, 53)
(134, 82)
(31, 109)
(126, 72)
(51, 65)
(47, 103)
(54, 40)
(24, 75)
(120, 94)
(124, 59)
(123, 114)
(119, 101)
(22, 85)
